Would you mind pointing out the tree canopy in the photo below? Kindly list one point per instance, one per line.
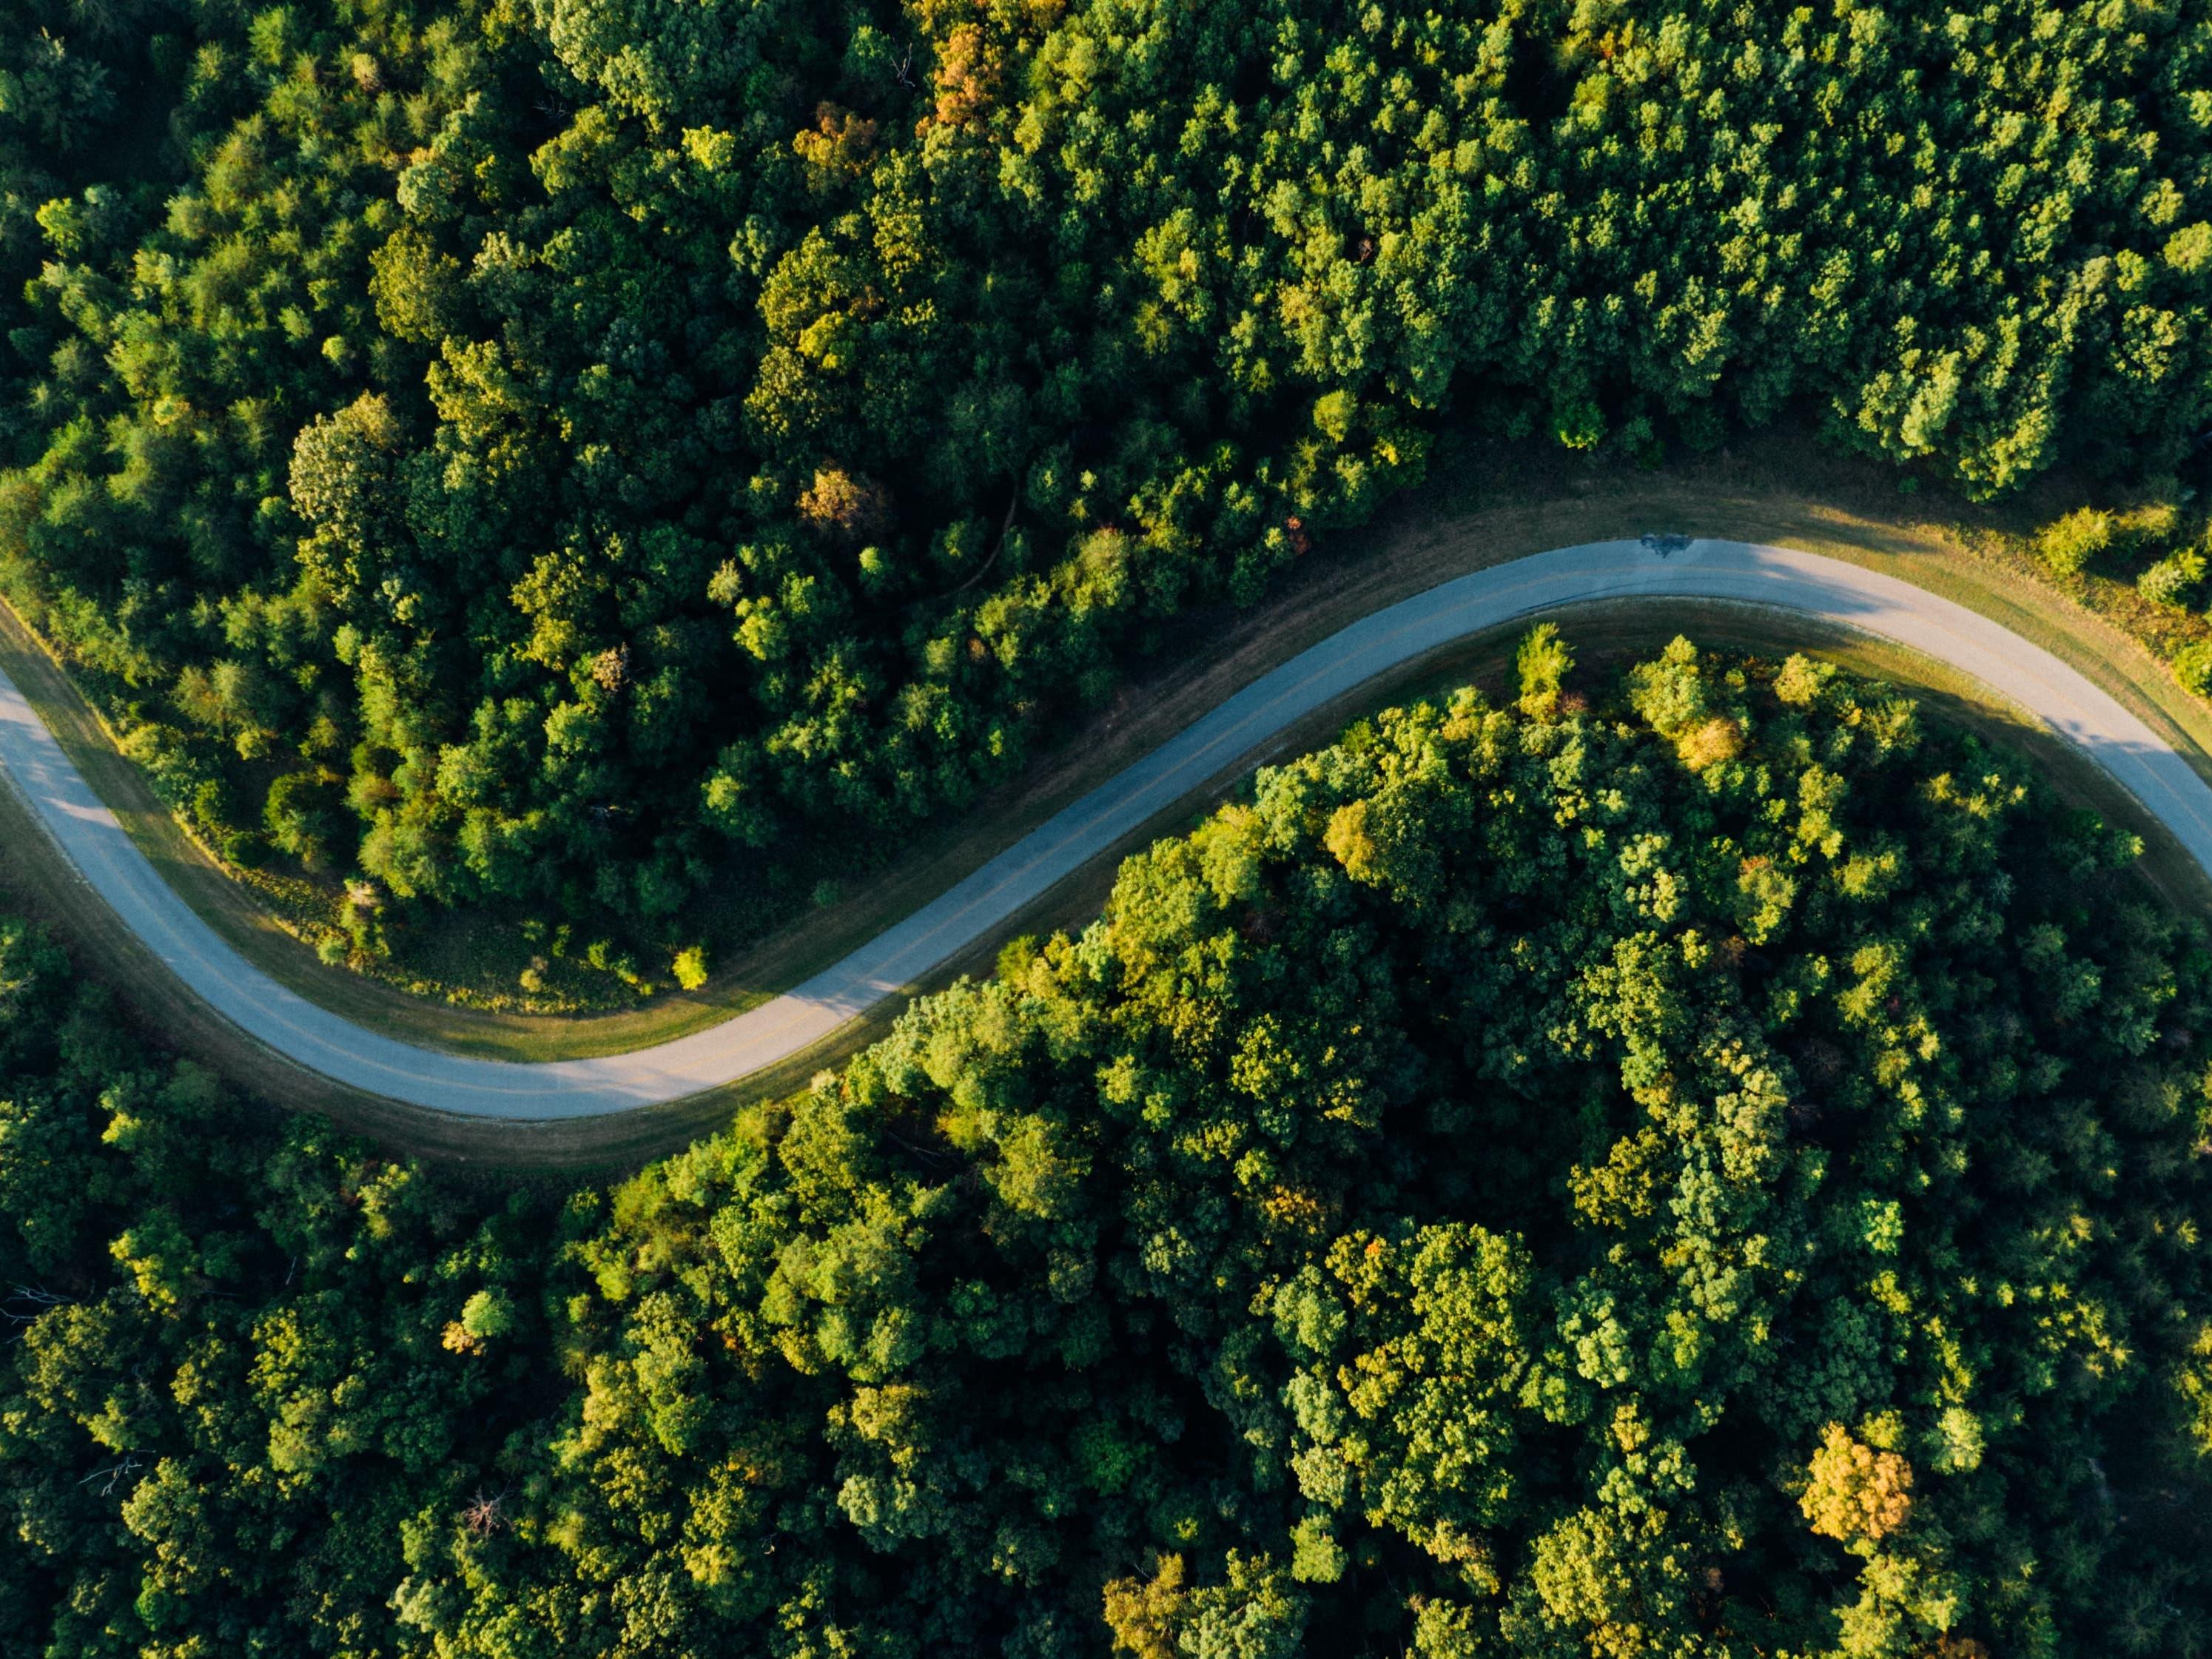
(528, 454)
(1698, 1164)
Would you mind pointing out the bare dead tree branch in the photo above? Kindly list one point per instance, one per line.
(129, 1466)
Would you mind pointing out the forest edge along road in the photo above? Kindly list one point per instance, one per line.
(1657, 567)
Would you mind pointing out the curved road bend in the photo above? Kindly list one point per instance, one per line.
(1825, 588)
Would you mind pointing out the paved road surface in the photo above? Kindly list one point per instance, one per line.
(2031, 677)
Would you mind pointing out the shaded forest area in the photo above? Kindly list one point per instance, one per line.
(1698, 1165)
(520, 454)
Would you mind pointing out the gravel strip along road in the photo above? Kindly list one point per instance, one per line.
(1656, 567)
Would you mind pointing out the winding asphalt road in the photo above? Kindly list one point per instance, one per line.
(1671, 567)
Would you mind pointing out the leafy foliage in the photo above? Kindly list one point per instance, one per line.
(225, 1399)
(1702, 1166)
(520, 454)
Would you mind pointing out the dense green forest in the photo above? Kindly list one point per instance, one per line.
(1696, 1164)
(523, 452)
